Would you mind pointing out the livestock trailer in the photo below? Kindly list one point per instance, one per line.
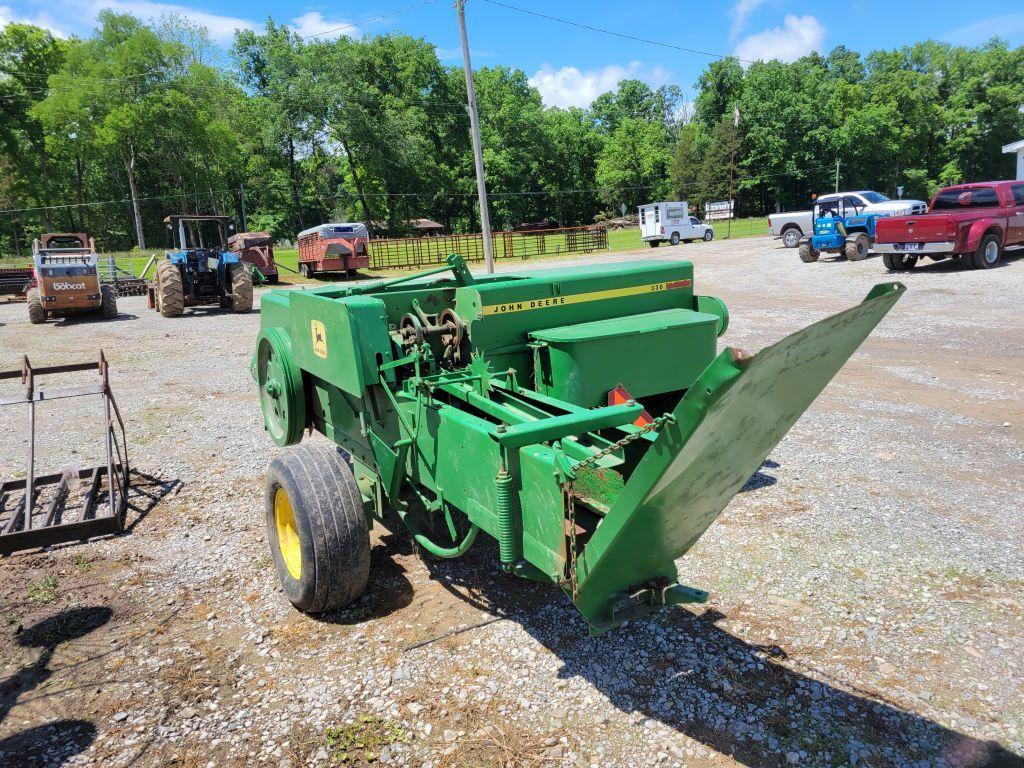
(339, 247)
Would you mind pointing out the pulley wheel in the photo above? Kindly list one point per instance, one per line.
(280, 382)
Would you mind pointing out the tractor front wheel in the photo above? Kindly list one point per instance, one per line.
(808, 253)
(241, 289)
(898, 262)
(170, 295)
(108, 302)
(316, 527)
(857, 248)
(36, 313)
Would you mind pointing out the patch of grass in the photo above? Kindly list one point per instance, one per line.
(43, 592)
(82, 564)
(361, 741)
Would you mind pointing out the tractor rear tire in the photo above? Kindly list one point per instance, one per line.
(898, 262)
(36, 313)
(316, 527)
(807, 253)
(241, 289)
(989, 251)
(170, 294)
(108, 302)
(857, 249)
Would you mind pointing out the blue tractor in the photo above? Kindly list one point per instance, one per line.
(199, 270)
(841, 227)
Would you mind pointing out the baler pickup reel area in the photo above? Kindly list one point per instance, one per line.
(582, 417)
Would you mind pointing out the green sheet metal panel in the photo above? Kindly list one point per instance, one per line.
(648, 354)
(501, 313)
(339, 339)
(726, 425)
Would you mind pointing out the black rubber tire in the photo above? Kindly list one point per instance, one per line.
(333, 534)
(709, 236)
(857, 249)
(241, 289)
(807, 253)
(170, 294)
(674, 239)
(899, 262)
(990, 241)
(791, 236)
(36, 313)
(654, 243)
(108, 302)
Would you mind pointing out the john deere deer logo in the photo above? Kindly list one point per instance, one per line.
(319, 338)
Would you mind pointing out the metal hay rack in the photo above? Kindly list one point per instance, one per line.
(103, 505)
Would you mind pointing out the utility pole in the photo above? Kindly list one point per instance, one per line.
(837, 174)
(474, 127)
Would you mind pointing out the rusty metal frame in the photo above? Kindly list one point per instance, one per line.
(19, 532)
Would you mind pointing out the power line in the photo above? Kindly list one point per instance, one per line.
(613, 33)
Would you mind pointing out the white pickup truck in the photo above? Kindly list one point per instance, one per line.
(792, 226)
(670, 222)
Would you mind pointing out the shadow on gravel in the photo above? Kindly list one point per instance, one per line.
(146, 492)
(761, 479)
(89, 319)
(678, 667)
(61, 739)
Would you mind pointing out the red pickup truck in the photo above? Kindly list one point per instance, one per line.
(972, 222)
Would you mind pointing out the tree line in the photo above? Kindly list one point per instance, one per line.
(111, 133)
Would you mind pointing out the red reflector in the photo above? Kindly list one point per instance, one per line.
(620, 396)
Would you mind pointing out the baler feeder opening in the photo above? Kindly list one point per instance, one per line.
(582, 417)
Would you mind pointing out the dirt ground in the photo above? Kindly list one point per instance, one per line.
(867, 587)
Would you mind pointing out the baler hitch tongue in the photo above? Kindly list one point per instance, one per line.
(723, 429)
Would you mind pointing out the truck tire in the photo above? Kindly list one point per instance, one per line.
(241, 289)
(807, 253)
(170, 295)
(36, 313)
(316, 527)
(709, 235)
(674, 239)
(857, 249)
(654, 243)
(988, 253)
(791, 236)
(898, 262)
(108, 302)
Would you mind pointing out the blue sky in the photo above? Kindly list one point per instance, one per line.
(569, 65)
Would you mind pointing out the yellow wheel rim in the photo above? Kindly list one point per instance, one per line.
(287, 533)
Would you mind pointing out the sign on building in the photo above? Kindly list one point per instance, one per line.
(720, 210)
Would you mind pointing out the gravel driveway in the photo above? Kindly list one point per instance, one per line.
(867, 587)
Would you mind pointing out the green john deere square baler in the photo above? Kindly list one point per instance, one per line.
(581, 416)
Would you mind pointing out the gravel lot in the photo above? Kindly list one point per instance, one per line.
(867, 588)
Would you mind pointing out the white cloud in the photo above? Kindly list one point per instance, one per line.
(313, 24)
(798, 36)
(44, 20)
(221, 28)
(740, 13)
(572, 87)
(979, 32)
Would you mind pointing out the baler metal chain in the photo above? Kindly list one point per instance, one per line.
(570, 494)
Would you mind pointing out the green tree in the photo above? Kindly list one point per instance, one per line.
(632, 167)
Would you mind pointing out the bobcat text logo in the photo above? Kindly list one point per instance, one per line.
(66, 286)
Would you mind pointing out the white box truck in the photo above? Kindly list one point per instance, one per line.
(671, 222)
